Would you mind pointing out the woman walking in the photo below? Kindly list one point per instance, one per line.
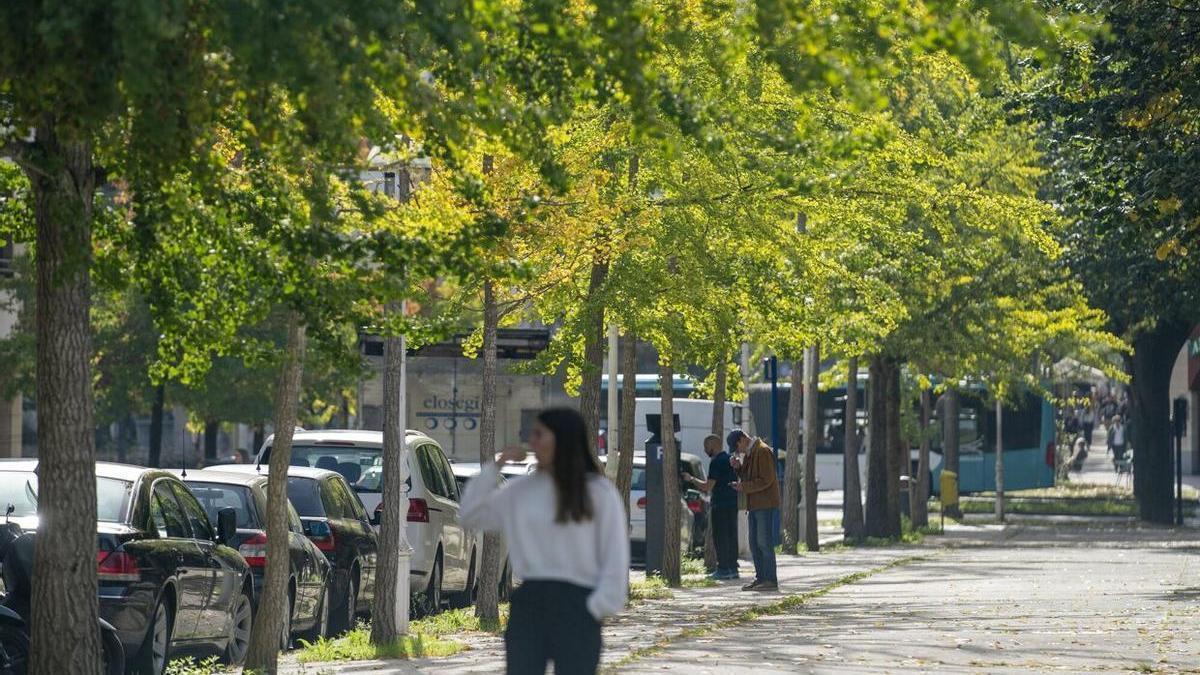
(568, 542)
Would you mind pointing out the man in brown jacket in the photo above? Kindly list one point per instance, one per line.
(755, 464)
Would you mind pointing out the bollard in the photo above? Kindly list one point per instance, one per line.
(948, 482)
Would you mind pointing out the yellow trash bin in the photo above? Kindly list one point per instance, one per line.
(949, 489)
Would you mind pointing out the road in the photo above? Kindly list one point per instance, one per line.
(1030, 599)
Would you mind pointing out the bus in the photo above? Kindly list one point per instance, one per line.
(1028, 438)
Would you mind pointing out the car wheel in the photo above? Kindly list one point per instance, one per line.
(467, 597)
(432, 602)
(285, 635)
(506, 583)
(152, 659)
(242, 616)
(15, 643)
(321, 628)
(345, 610)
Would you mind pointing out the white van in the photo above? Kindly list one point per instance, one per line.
(695, 422)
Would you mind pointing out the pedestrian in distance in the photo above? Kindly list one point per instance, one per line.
(1118, 441)
(568, 542)
(1088, 422)
(724, 506)
(755, 465)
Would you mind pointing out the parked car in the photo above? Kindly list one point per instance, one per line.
(442, 555)
(637, 513)
(309, 571)
(696, 501)
(463, 473)
(168, 578)
(334, 519)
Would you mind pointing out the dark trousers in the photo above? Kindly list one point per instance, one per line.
(548, 621)
(725, 540)
(762, 543)
(1088, 431)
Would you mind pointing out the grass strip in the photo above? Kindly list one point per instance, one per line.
(427, 638)
(781, 606)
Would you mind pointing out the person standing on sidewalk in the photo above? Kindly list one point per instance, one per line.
(759, 482)
(1088, 420)
(724, 507)
(568, 542)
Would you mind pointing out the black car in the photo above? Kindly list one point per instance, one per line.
(168, 581)
(309, 572)
(334, 519)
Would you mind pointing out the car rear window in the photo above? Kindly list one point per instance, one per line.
(639, 479)
(20, 488)
(305, 495)
(215, 496)
(112, 499)
(355, 463)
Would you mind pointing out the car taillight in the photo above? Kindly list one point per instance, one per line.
(116, 566)
(694, 506)
(418, 511)
(254, 550)
(641, 502)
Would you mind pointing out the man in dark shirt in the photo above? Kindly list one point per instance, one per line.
(724, 507)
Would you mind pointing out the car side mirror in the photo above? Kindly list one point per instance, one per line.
(226, 525)
(317, 529)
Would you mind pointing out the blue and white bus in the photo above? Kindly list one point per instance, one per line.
(1028, 439)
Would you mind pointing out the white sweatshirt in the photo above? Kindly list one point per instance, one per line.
(593, 553)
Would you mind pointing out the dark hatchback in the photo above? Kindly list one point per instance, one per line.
(333, 518)
(167, 580)
(309, 571)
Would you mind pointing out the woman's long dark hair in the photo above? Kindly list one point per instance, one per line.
(573, 461)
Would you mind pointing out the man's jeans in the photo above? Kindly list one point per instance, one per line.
(762, 544)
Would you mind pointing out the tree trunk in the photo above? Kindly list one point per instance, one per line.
(852, 509)
(211, 428)
(156, 426)
(718, 429)
(920, 507)
(670, 472)
(387, 621)
(593, 354)
(1154, 354)
(791, 461)
(487, 606)
(812, 432)
(876, 524)
(749, 424)
(625, 440)
(897, 452)
(268, 620)
(65, 605)
(950, 429)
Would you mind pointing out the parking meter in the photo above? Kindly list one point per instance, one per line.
(656, 513)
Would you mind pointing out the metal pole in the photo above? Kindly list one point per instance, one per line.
(999, 461)
(1178, 477)
(401, 513)
(611, 435)
(771, 366)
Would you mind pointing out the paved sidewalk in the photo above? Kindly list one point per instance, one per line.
(648, 623)
(1104, 600)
